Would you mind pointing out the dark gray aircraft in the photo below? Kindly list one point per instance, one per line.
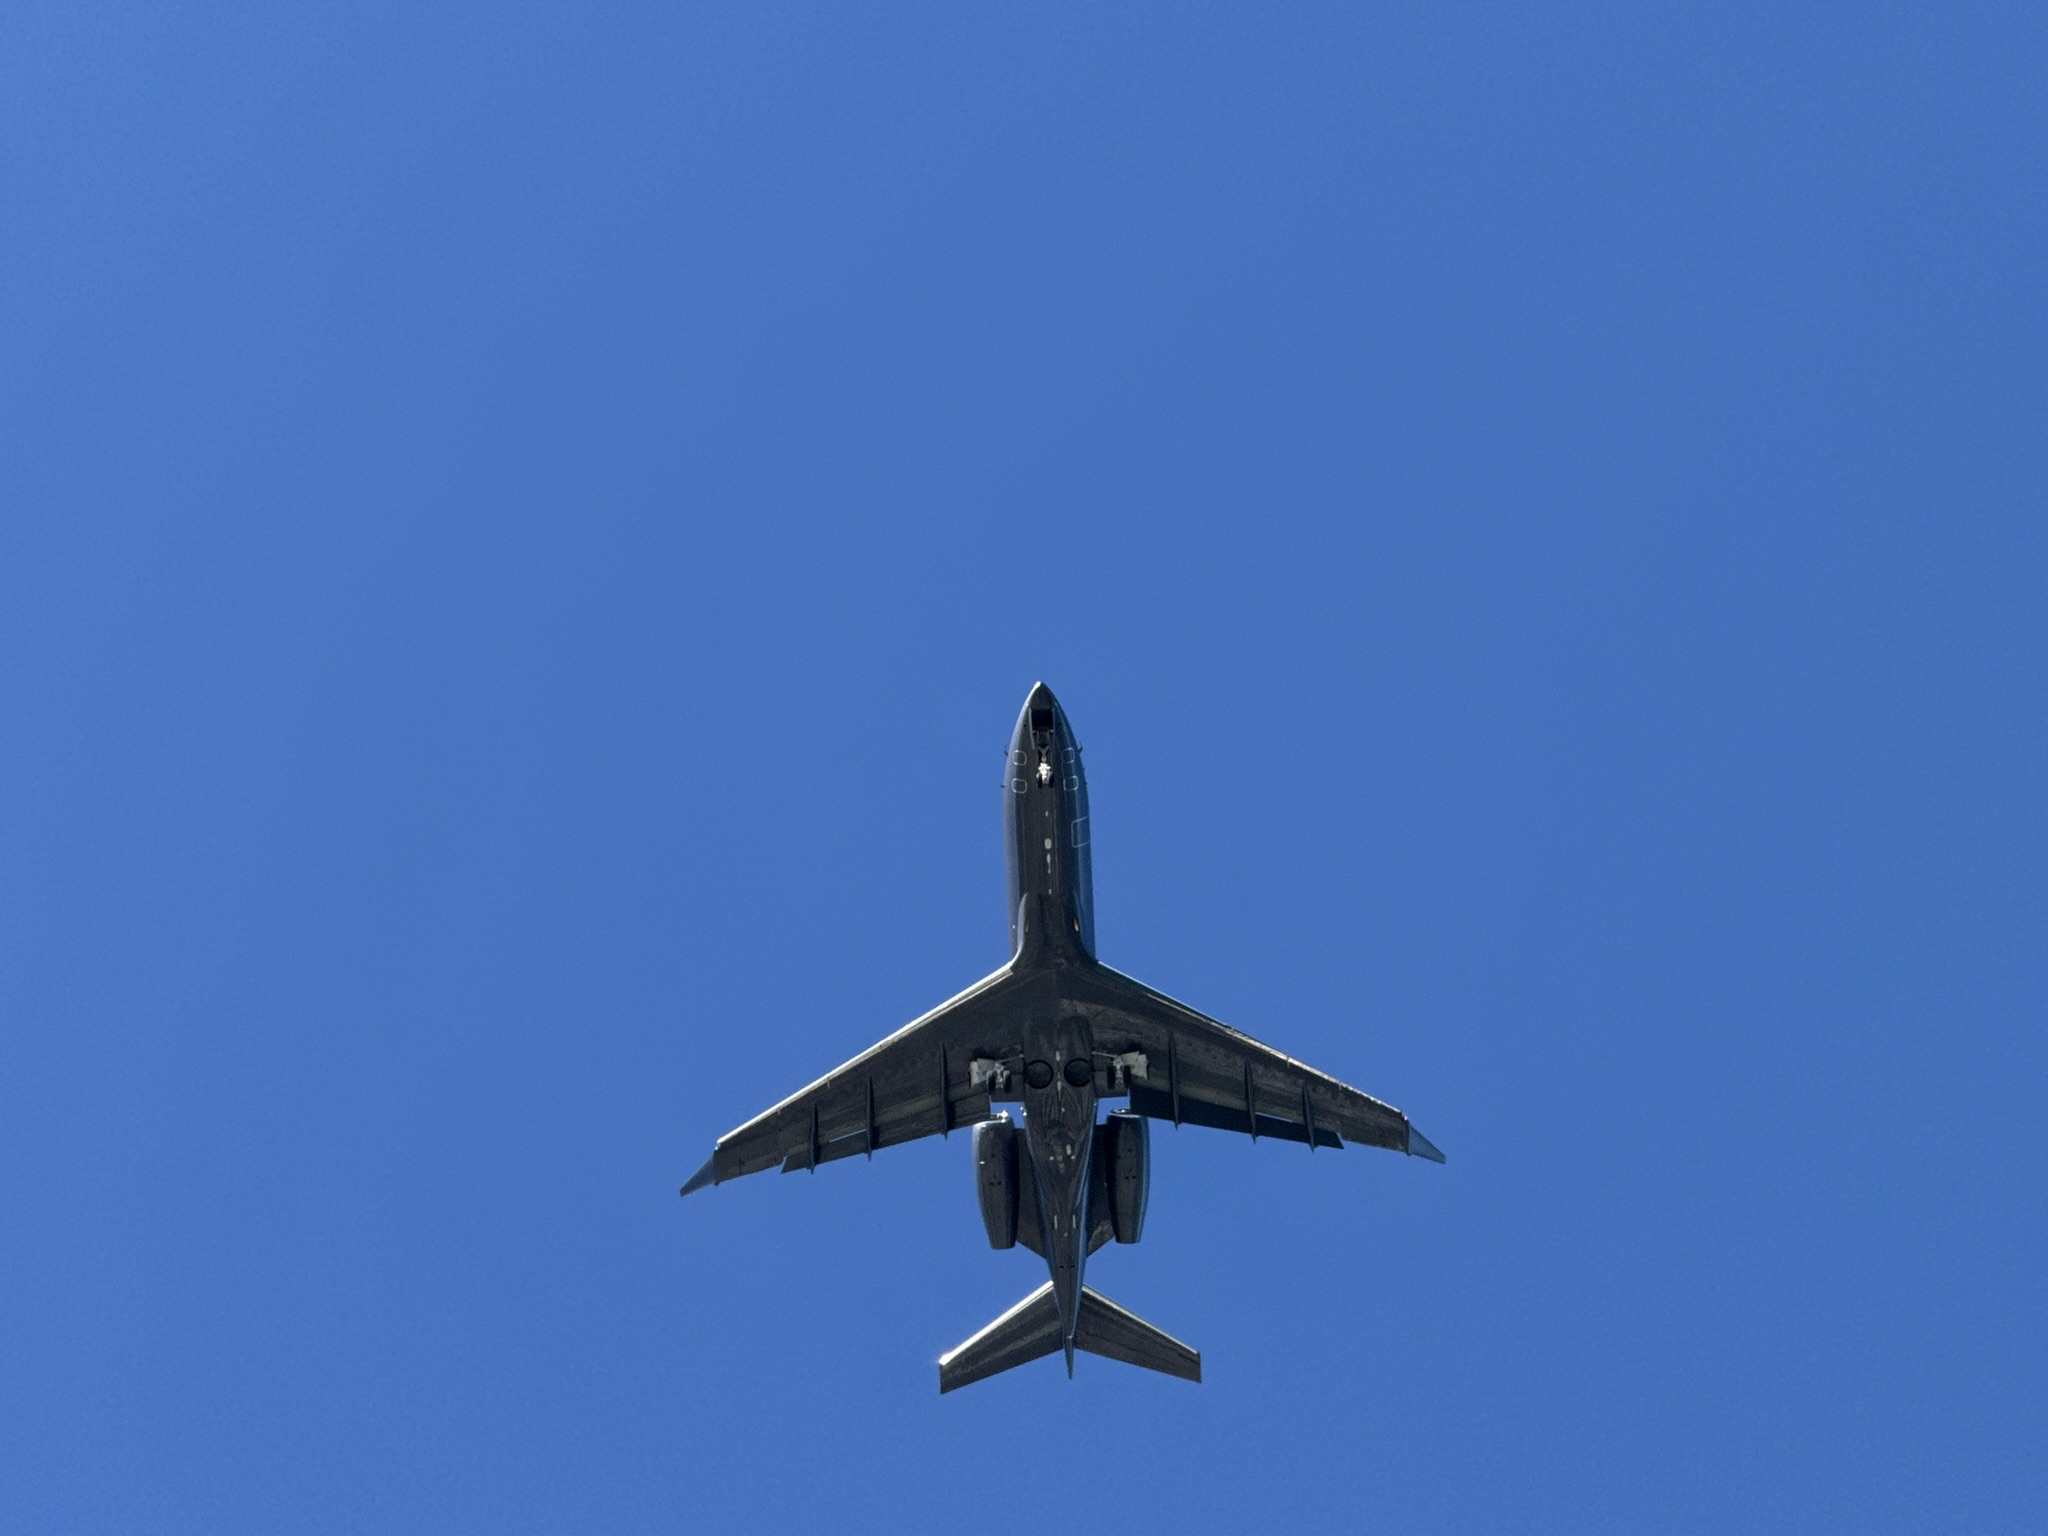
(1057, 1031)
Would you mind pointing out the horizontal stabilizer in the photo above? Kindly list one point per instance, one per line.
(1028, 1331)
(1108, 1330)
(1031, 1330)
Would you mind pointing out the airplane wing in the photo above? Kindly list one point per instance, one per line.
(918, 1082)
(1196, 1071)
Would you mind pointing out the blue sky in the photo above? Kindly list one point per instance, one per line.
(522, 538)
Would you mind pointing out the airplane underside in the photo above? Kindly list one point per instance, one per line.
(1056, 1032)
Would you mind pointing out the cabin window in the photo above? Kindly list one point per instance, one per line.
(1041, 719)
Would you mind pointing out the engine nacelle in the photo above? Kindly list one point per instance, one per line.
(1126, 1151)
(995, 1179)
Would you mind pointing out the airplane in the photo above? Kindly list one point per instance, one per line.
(1057, 1032)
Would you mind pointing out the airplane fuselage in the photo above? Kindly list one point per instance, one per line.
(1045, 824)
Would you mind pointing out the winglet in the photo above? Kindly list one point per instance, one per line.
(708, 1175)
(1420, 1145)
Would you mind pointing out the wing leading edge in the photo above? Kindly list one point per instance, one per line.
(1199, 1071)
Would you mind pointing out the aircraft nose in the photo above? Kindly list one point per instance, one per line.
(1039, 717)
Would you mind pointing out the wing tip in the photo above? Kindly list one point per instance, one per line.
(703, 1177)
(1420, 1145)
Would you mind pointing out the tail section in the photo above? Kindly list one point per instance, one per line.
(1031, 1330)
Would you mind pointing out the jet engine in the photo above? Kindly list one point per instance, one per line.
(1125, 1149)
(995, 1179)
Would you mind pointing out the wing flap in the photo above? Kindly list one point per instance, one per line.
(1194, 1110)
(911, 1123)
